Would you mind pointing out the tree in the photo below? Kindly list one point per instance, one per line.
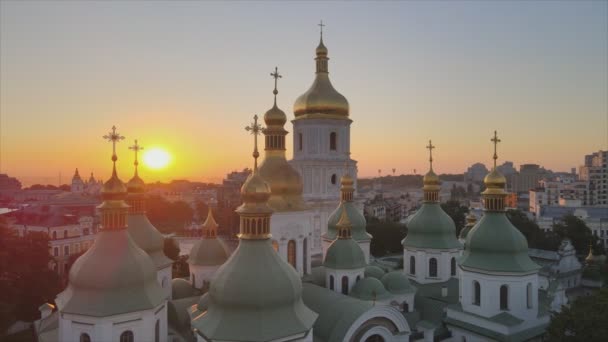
(535, 236)
(387, 237)
(171, 249)
(26, 282)
(584, 320)
(457, 212)
(576, 230)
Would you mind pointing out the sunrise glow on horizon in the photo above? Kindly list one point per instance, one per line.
(187, 77)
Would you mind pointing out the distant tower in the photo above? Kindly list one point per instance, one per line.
(207, 254)
(321, 143)
(77, 183)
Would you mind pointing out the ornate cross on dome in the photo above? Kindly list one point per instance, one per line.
(136, 148)
(430, 147)
(255, 129)
(276, 77)
(113, 137)
(495, 140)
(321, 25)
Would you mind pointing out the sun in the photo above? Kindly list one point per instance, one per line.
(156, 158)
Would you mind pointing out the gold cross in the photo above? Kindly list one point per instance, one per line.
(430, 147)
(113, 137)
(321, 26)
(495, 140)
(255, 129)
(276, 77)
(136, 148)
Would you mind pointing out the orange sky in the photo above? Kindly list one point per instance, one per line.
(188, 77)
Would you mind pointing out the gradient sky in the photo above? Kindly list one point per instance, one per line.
(188, 76)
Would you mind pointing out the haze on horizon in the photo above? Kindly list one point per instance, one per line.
(188, 77)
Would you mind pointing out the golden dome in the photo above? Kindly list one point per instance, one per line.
(136, 185)
(321, 100)
(347, 180)
(431, 181)
(285, 183)
(255, 189)
(275, 116)
(114, 188)
(495, 180)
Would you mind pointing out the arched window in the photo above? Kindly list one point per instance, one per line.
(345, 285)
(529, 295)
(331, 282)
(358, 278)
(332, 141)
(127, 336)
(291, 253)
(193, 280)
(406, 307)
(375, 338)
(305, 255)
(157, 331)
(504, 297)
(164, 282)
(453, 266)
(54, 235)
(432, 267)
(56, 251)
(66, 250)
(334, 179)
(84, 337)
(65, 234)
(476, 293)
(275, 245)
(300, 140)
(412, 265)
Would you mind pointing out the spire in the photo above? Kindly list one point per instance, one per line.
(321, 53)
(275, 120)
(210, 226)
(136, 148)
(431, 183)
(344, 226)
(255, 192)
(255, 129)
(136, 186)
(113, 209)
(76, 175)
(494, 194)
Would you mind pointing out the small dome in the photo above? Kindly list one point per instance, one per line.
(275, 117)
(321, 49)
(396, 282)
(347, 180)
(495, 180)
(355, 217)
(181, 288)
(113, 187)
(255, 189)
(369, 289)
(208, 252)
(322, 99)
(344, 254)
(374, 272)
(495, 245)
(431, 227)
(136, 185)
(430, 178)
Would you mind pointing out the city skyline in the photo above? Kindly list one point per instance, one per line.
(173, 76)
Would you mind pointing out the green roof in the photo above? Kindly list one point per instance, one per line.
(258, 292)
(114, 276)
(396, 282)
(208, 252)
(374, 272)
(495, 245)
(181, 288)
(355, 217)
(431, 227)
(369, 289)
(178, 313)
(148, 238)
(344, 254)
(337, 312)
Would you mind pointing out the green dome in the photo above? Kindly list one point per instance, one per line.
(374, 272)
(369, 289)
(255, 296)
(344, 254)
(464, 232)
(148, 238)
(495, 245)
(431, 227)
(181, 288)
(397, 282)
(208, 252)
(356, 218)
(113, 277)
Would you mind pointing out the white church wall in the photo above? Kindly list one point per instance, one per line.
(294, 226)
(164, 276)
(353, 276)
(422, 259)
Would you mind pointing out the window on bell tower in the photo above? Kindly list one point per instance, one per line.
(332, 141)
(300, 140)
